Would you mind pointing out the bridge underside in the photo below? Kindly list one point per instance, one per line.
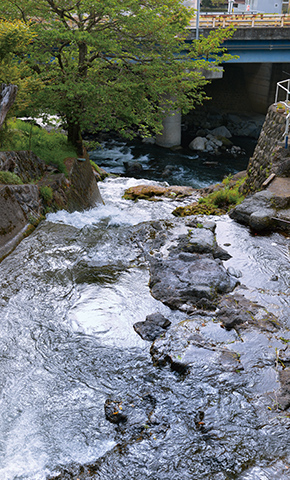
(263, 51)
(247, 86)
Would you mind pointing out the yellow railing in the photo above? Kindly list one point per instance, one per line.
(256, 20)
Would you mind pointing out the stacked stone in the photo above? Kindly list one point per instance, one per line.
(271, 139)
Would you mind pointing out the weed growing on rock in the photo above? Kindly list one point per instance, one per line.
(10, 178)
(46, 194)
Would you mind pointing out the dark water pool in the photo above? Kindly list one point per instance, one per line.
(179, 167)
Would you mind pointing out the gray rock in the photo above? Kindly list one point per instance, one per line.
(221, 132)
(183, 347)
(260, 200)
(179, 280)
(154, 325)
(236, 311)
(198, 144)
(284, 395)
(261, 220)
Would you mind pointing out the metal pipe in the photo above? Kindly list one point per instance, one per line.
(197, 20)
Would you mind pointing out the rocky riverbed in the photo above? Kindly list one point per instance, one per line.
(233, 342)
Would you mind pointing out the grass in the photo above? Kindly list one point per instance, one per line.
(51, 147)
(217, 202)
(46, 193)
(224, 198)
(9, 178)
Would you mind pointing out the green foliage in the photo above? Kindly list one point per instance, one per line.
(9, 178)
(46, 194)
(215, 203)
(51, 147)
(223, 198)
(106, 64)
(226, 180)
(15, 37)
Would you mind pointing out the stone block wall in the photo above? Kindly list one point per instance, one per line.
(266, 155)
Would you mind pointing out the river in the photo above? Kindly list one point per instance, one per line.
(70, 294)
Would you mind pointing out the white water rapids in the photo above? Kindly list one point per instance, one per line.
(70, 294)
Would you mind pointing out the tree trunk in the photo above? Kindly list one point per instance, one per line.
(7, 98)
(74, 137)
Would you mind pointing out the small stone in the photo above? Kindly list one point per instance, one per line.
(113, 411)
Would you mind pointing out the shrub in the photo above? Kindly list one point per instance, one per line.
(46, 193)
(9, 178)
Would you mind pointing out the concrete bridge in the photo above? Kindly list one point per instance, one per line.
(258, 38)
(262, 44)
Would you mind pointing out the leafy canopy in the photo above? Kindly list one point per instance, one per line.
(114, 64)
(15, 37)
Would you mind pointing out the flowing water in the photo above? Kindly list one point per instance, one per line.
(70, 294)
(180, 167)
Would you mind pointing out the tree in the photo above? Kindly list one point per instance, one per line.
(113, 64)
(15, 76)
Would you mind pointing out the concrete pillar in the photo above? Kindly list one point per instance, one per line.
(258, 78)
(171, 135)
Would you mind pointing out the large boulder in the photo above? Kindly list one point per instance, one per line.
(221, 132)
(190, 272)
(265, 211)
(189, 279)
(198, 144)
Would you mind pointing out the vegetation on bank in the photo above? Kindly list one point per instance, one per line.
(103, 65)
(220, 201)
(52, 147)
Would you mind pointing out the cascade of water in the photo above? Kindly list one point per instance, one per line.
(71, 293)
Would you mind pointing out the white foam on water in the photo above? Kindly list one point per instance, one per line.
(117, 211)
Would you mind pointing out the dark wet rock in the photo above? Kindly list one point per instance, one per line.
(222, 254)
(262, 220)
(134, 417)
(284, 355)
(256, 205)
(283, 397)
(154, 325)
(196, 222)
(180, 279)
(198, 240)
(236, 311)
(235, 273)
(185, 270)
(133, 168)
(114, 411)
